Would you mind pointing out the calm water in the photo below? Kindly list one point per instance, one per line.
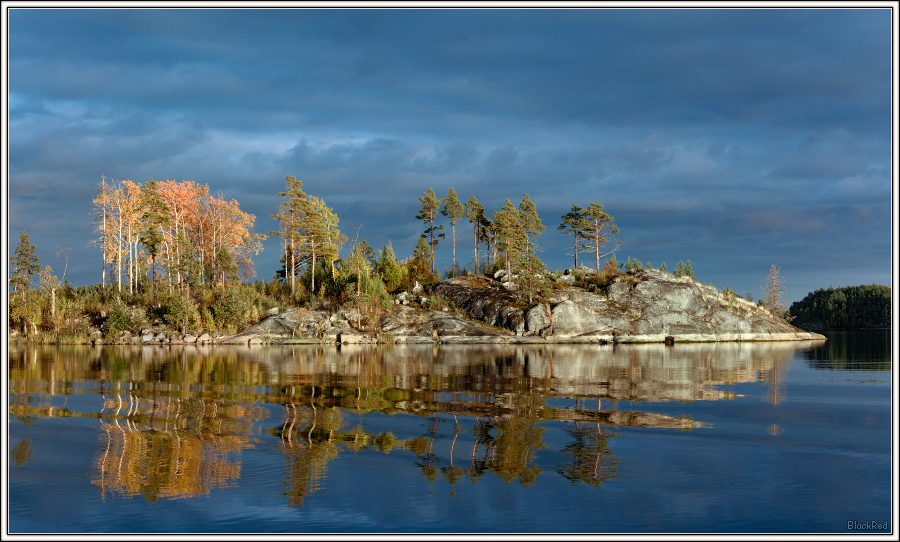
(731, 438)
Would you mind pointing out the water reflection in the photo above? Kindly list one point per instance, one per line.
(864, 350)
(175, 421)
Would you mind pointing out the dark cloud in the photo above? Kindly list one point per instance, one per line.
(736, 138)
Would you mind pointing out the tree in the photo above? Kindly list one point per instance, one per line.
(320, 237)
(25, 265)
(475, 214)
(454, 210)
(576, 224)
(289, 217)
(632, 264)
(49, 281)
(418, 266)
(773, 294)
(684, 269)
(388, 268)
(154, 217)
(600, 227)
(531, 223)
(428, 214)
(509, 230)
(532, 268)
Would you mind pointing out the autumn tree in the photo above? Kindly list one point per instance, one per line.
(600, 227)
(454, 210)
(182, 201)
(475, 214)
(428, 214)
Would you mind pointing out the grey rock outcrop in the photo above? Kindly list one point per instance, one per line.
(643, 306)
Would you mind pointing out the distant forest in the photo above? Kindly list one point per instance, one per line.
(851, 307)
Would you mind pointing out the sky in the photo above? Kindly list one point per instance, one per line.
(736, 138)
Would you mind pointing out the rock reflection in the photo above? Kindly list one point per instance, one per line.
(174, 420)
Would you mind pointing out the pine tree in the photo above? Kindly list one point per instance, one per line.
(511, 236)
(154, 217)
(388, 268)
(321, 237)
(575, 223)
(480, 224)
(25, 265)
(428, 214)
(531, 223)
(289, 217)
(454, 210)
(600, 227)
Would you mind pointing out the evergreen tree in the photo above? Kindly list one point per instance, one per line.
(25, 265)
(600, 227)
(510, 233)
(575, 223)
(480, 224)
(388, 268)
(418, 267)
(454, 210)
(632, 264)
(320, 235)
(531, 223)
(428, 214)
(154, 218)
(289, 216)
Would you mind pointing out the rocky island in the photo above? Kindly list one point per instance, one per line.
(642, 306)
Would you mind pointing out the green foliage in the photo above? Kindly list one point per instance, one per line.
(428, 214)
(123, 317)
(850, 307)
(633, 264)
(228, 310)
(663, 267)
(24, 262)
(684, 269)
(418, 268)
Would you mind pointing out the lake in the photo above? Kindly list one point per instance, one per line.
(783, 437)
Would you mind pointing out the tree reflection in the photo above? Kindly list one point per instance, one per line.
(308, 443)
(592, 462)
(173, 421)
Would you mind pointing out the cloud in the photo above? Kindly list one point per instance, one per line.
(698, 130)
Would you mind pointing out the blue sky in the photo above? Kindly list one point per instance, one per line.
(733, 138)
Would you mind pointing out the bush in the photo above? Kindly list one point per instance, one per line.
(229, 309)
(123, 318)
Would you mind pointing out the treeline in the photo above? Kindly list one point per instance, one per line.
(192, 236)
(175, 255)
(850, 307)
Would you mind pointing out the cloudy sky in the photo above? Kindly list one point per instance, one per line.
(733, 138)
